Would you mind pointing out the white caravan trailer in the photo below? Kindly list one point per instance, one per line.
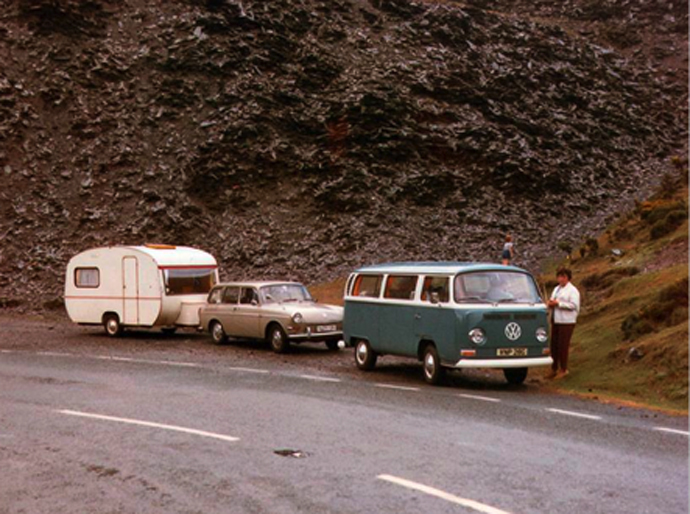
(139, 286)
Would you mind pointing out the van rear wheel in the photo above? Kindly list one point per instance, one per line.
(217, 333)
(433, 371)
(515, 376)
(112, 325)
(365, 357)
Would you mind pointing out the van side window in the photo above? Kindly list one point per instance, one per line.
(367, 285)
(87, 277)
(400, 287)
(231, 295)
(439, 285)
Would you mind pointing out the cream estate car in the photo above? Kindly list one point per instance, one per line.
(278, 312)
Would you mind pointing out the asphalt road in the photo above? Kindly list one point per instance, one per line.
(155, 424)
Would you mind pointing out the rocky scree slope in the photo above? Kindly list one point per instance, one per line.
(302, 138)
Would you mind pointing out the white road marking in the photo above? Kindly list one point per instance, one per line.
(178, 363)
(471, 504)
(477, 397)
(6, 351)
(401, 388)
(111, 358)
(322, 379)
(55, 354)
(575, 414)
(249, 370)
(672, 430)
(146, 361)
(150, 424)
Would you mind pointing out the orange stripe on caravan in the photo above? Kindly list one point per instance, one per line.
(112, 298)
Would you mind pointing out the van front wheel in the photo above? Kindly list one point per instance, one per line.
(112, 325)
(365, 357)
(433, 372)
(515, 376)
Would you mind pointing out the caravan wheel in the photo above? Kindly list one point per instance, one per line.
(112, 326)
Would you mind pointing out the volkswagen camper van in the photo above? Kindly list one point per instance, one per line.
(447, 315)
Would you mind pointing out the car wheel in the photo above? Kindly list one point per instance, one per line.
(332, 345)
(515, 376)
(278, 340)
(431, 364)
(217, 333)
(168, 331)
(112, 326)
(365, 357)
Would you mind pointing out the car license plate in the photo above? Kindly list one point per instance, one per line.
(512, 352)
(326, 328)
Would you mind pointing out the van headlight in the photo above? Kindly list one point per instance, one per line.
(477, 336)
(542, 335)
(297, 318)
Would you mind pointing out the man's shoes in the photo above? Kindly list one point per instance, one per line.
(551, 375)
(561, 374)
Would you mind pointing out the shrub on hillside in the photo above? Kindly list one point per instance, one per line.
(671, 221)
(669, 308)
(599, 281)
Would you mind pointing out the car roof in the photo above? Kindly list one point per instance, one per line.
(258, 283)
(432, 267)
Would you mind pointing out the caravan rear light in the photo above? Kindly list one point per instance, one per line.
(468, 353)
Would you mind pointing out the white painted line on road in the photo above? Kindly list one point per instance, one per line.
(477, 397)
(672, 430)
(471, 504)
(55, 354)
(150, 424)
(178, 363)
(249, 370)
(575, 414)
(6, 351)
(111, 358)
(401, 388)
(322, 379)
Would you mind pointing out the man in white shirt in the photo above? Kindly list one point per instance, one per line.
(565, 306)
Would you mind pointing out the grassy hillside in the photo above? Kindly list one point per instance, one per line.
(631, 342)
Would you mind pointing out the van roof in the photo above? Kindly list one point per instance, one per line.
(437, 267)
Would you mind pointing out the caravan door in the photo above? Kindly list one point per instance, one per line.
(130, 291)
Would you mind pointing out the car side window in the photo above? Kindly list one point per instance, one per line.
(216, 295)
(231, 294)
(438, 285)
(248, 295)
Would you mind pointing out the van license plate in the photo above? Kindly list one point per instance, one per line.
(512, 352)
(326, 328)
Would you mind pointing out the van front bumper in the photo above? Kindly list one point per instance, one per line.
(504, 363)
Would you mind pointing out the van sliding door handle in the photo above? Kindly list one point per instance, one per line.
(417, 316)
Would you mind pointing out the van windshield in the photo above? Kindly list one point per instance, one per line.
(285, 293)
(496, 287)
(179, 281)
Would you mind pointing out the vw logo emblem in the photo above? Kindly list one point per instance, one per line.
(513, 331)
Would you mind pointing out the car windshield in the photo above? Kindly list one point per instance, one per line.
(285, 293)
(496, 287)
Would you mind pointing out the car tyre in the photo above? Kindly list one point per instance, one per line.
(431, 365)
(332, 345)
(112, 325)
(168, 331)
(515, 376)
(365, 357)
(278, 339)
(218, 333)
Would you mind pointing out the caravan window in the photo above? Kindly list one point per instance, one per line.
(87, 277)
(180, 281)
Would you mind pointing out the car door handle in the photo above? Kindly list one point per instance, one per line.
(417, 316)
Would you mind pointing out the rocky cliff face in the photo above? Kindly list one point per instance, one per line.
(303, 138)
